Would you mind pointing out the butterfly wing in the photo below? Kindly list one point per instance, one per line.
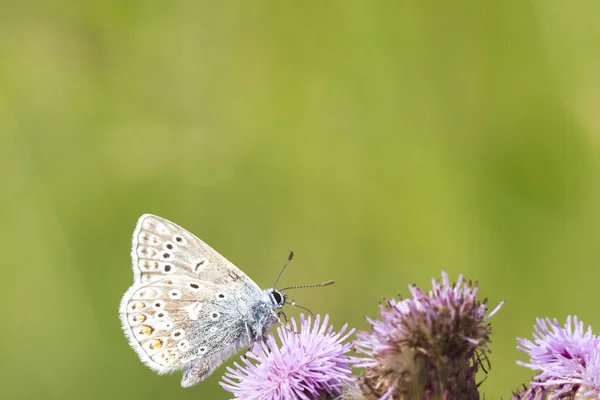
(161, 247)
(188, 304)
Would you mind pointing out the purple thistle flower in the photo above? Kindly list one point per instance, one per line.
(568, 359)
(310, 364)
(427, 346)
(532, 393)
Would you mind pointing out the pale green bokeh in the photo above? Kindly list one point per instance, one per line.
(382, 142)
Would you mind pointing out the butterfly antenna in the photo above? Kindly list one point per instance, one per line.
(293, 303)
(282, 269)
(326, 283)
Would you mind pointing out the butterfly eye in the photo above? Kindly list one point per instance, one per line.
(277, 297)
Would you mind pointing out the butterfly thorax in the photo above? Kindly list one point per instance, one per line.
(263, 315)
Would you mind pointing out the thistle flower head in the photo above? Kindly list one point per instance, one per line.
(567, 358)
(310, 364)
(427, 346)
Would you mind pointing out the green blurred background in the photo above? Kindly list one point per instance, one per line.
(382, 142)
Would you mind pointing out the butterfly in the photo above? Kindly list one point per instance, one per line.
(189, 308)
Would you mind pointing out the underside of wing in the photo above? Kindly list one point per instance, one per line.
(161, 248)
(173, 321)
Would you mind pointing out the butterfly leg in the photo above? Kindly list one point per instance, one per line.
(284, 316)
(250, 339)
(264, 340)
(285, 326)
